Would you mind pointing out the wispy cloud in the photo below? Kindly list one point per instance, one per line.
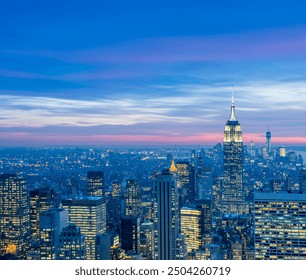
(180, 111)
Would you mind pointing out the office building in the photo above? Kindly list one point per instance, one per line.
(41, 200)
(280, 226)
(233, 194)
(167, 214)
(89, 214)
(71, 244)
(147, 229)
(14, 216)
(95, 181)
(191, 227)
(132, 198)
(51, 224)
(130, 234)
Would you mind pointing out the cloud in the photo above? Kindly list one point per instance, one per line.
(181, 110)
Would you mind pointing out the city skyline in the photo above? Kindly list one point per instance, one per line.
(130, 73)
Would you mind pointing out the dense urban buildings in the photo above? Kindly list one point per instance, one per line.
(234, 201)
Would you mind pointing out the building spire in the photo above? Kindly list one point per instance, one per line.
(173, 167)
(233, 115)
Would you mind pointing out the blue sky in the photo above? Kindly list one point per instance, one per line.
(151, 72)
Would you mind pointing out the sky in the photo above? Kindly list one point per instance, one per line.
(151, 72)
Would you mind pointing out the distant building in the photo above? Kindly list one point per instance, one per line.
(302, 180)
(95, 181)
(268, 141)
(282, 151)
(14, 216)
(132, 198)
(204, 185)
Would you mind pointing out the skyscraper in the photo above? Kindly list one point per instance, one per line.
(14, 216)
(88, 213)
(186, 173)
(132, 198)
(233, 195)
(268, 141)
(130, 235)
(41, 200)
(147, 229)
(280, 225)
(191, 227)
(51, 224)
(167, 215)
(95, 181)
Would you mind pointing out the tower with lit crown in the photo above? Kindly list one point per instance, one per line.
(233, 195)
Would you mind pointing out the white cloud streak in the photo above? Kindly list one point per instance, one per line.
(191, 104)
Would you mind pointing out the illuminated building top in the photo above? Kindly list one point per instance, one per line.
(173, 167)
(232, 131)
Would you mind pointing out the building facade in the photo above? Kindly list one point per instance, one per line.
(280, 225)
(89, 214)
(167, 215)
(14, 216)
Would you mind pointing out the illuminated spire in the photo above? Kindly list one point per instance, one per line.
(173, 167)
(233, 116)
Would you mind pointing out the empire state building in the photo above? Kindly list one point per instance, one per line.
(233, 195)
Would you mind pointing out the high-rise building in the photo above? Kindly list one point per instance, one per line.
(204, 185)
(130, 234)
(88, 213)
(191, 227)
(14, 216)
(302, 180)
(206, 208)
(71, 244)
(132, 198)
(103, 246)
(252, 149)
(147, 229)
(233, 194)
(282, 151)
(167, 215)
(41, 200)
(186, 174)
(51, 224)
(95, 180)
(280, 225)
(268, 141)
